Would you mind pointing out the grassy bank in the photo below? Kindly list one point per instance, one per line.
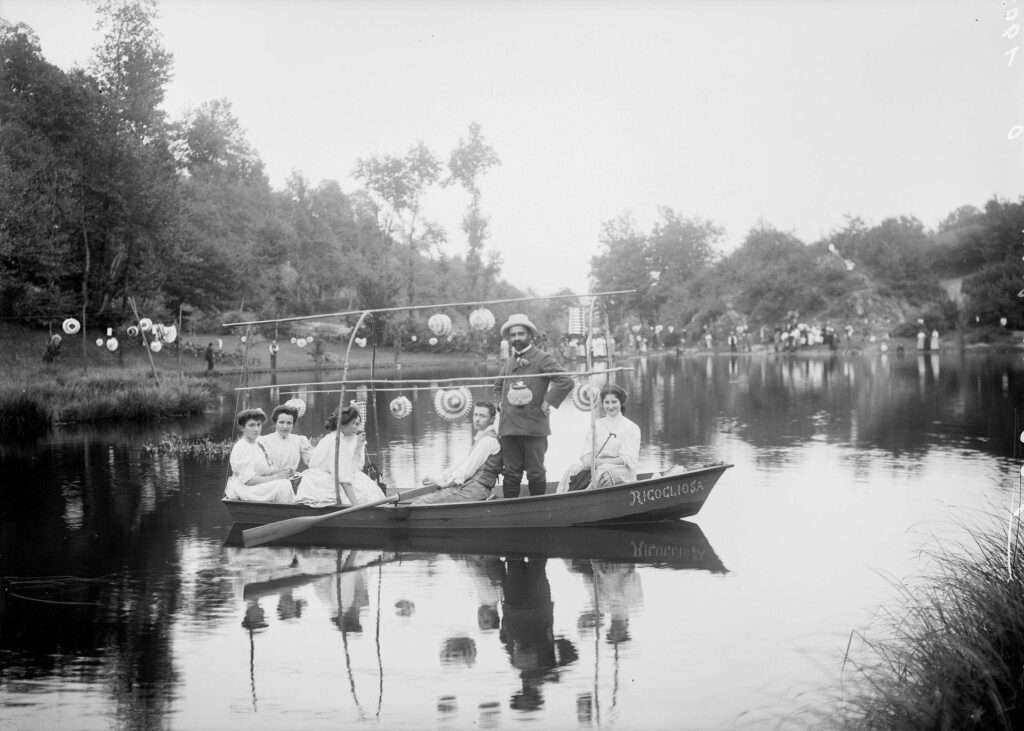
(59, 396)
(953, 656)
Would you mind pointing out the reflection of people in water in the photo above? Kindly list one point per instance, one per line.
(348, 595)
(488, 574)
(288, 607)
(255, 617)
(618, 590)
(527, 629)
(458, 650)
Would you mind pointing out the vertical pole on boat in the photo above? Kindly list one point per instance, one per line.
(595, 405)
(341, 405)
(373, 400)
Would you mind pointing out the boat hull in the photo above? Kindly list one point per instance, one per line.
(648, 500)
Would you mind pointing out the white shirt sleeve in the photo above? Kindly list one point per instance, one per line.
(482, 449)
(629, 447)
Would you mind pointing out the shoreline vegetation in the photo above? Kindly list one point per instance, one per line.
(952, 656)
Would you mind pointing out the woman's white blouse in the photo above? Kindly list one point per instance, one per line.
(285, 454)
(625, 443)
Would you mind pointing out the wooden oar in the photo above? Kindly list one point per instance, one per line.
(289, 527)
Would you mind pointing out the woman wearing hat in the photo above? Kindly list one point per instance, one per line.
(253, 477)
(618, 441)
(317, 484)
(529, 384)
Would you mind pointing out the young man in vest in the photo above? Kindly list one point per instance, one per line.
(525, 398)
(473, 478)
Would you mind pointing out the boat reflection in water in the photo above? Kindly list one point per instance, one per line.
(485, 602)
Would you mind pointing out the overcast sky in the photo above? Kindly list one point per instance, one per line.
(792, 112)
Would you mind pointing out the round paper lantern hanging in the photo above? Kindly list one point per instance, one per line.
(481, 319)
(575, 321)
(301, 342)
(440, 324)
(71, 326)
(111, 344)
(400, 407)
(133, 331)
(145, 324)
(432, 341)
(156, 346)
(519, 394)
(453, 404)
(243, 339)
(294, 340)
(584, 396)
(298, 404)
(414, 338)
(99, 342)
(55, 339)
(361, 342)
(170, 334)
(359, 406)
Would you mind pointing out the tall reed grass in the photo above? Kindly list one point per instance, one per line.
(952, 656)
(28, 403)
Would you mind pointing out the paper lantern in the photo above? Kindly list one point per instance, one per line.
(432, 341)
(243, 339)
(133, 331)
(99, 342)
(220, 344)
(145, 324)
(309, 339)
(400, 407)
(584, 396)
(110, 332)
(519, 394)
(1002, 321)
(359, 406)
(298, 404)
(55, 339)
(440, 324)
(832, 248)
(414, 338)
(156, 346)
(450, 338)
(71, 326)
(453, 404)
(361, 342)
(481, 319)
(294, 340)
(111, 344)
(575, 321)
(170, 334)
(301, 342)
(849, 265)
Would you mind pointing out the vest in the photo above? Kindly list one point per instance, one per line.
(487, 475)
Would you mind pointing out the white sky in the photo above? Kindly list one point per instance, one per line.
(793, 112)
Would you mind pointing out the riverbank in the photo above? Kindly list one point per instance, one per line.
(952, 657)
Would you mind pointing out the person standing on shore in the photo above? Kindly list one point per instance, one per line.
(525, 397)
(209, 356)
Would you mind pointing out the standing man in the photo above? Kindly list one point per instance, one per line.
(525, 400)
(209, 357)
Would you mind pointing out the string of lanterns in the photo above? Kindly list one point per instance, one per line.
(158, 334)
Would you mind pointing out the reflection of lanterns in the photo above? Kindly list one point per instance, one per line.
(145, 324)
(1002, 321)
(440, 324)
(156, 346)
(298, 404)
(519, 394)
(584, 396)
(453, 404)
(133, 331)
(481, 319)
(111, 344)
(71, 326)
(400, 407)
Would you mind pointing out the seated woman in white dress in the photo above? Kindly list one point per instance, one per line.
(286, 449)
(474, 477)
(253, 477)
(317, 484)
(618, 441)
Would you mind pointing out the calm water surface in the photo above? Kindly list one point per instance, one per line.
(124, 607)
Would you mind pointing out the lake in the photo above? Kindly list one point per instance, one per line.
(124, 607)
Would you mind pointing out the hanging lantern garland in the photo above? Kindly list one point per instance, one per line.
(400, 407)
(584, 396)
(576, 321)
(440, 324)
(71, 326)
(481, 319)
(454, 404)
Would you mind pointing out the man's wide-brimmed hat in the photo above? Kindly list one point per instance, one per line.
(521, 320)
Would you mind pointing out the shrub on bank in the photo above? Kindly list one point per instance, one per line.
(954, 657)
(64, 398)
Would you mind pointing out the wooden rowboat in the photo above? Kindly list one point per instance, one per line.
(648, 500)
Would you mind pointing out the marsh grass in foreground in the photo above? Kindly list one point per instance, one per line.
(35, 402)
(202, 447)
(953, 657)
